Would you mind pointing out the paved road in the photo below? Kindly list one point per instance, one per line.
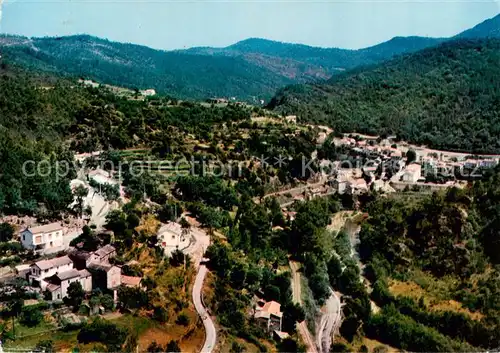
(210, 333)
(330, 322)
(296, 295)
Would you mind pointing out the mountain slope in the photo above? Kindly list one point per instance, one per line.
(486, 29)
(302, 62)
(173, 73)
(249, 70)
(446, 97)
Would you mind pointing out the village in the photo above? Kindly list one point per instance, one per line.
(370, 163)
(56, 257)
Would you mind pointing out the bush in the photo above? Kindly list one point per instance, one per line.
(31, 317)
(104, 332)
(46, 346)
(182, 319)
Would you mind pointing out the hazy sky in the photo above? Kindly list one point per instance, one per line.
(177, 24)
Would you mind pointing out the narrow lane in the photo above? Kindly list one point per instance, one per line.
(210, 333)
(296, 295)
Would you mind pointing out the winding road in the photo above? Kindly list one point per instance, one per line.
(210, 333)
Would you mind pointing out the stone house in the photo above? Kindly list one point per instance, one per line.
(270, 316)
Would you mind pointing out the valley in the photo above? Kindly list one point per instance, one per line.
(151, 201)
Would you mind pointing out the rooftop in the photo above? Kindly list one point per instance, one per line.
(414, 167)
(105, 250)
(46, 228)
(272, 307)
(103, 267)
(52, 287)
(56, 262)
(131, 281)
(68, 274)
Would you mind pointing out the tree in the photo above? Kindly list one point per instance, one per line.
(173, 347)
(160, 314)
(100, 330)
(411, 156)
(31, 317)
(182, 319)
(290, 345)
(237, 348)
(169, 211)
(76, 294)
(79, 193)
(132, 298)
(178, 258)
(107, 302)
(6, 232)
(46, 346)
(155, 348)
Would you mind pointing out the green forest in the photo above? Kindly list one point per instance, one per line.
(47, 119)
(446, 97)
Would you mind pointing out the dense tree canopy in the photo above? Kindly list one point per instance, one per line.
(446, 97)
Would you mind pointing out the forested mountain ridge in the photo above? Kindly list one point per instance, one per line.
(305, 62)
(489, 28)
(446, 97)
(250, 70)
(173, 73)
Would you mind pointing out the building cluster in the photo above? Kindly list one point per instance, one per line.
(91, 269)
(386, 167)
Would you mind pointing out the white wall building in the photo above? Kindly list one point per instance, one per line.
(44, 238)
(48, 268)
(412, 173)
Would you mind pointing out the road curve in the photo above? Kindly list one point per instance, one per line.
(210, 333)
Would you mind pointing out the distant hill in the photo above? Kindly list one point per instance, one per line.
(486, 29)
(173, 73)
(446, 97)
(306, 63)
(250, 70)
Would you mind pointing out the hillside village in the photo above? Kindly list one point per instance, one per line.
(355, 214)
(364, 164)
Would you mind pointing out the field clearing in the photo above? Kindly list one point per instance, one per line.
(372, 344)
(433, 302)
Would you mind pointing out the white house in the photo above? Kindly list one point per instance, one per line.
(412, 173)
(270, 316)
(47, 268)
(357, 186)
(43, 239)
(148, 92)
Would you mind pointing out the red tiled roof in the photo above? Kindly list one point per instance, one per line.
(131, 281)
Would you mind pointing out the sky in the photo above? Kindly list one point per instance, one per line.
(176, 24)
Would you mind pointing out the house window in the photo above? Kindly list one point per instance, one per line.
(46, 271)
(24, 237)
(51, 244)
(58, 296)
